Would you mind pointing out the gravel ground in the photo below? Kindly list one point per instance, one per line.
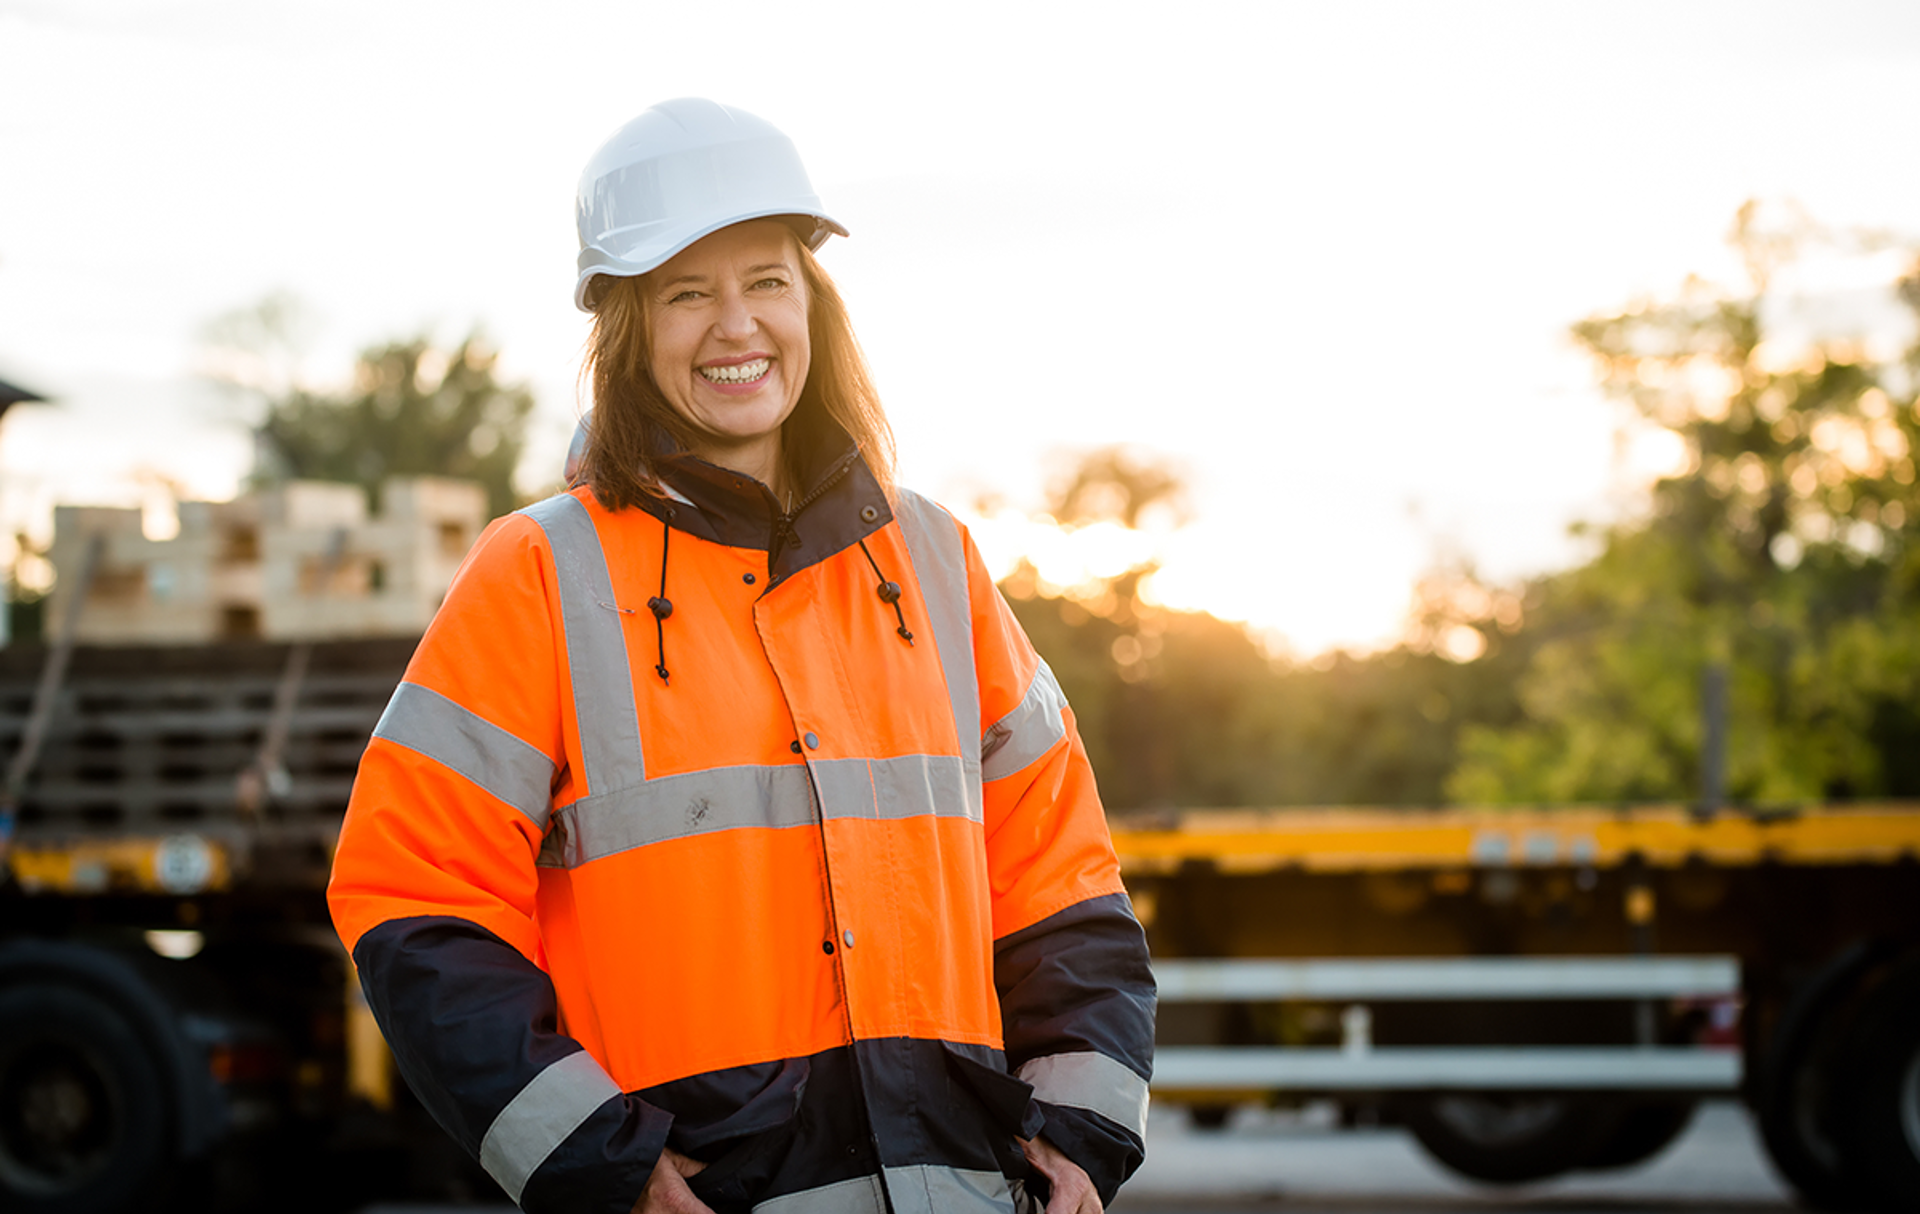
(1298, 1162)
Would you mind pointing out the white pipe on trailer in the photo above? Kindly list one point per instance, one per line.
(1448, 1068)
(1447, 978)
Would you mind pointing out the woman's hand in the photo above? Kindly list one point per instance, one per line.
(667, 1191)
(1073, 1191)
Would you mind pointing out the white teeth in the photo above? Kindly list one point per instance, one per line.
(739, 373)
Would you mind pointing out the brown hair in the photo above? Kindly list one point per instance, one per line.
(631, 414)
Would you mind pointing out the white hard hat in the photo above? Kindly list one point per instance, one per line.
(679, 171)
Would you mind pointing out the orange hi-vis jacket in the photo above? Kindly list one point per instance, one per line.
(762, 835)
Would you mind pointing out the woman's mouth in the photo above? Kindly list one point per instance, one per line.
(737, 373)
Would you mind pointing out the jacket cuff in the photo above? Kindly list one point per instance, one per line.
(1108, 1154)
(603, 1166)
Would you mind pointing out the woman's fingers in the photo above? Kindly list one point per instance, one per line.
(1073, 1191)
(667, 1191)
(686, 1165)
(1072, 1198)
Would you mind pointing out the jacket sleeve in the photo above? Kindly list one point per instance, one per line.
(434, 887)
(1070, 959)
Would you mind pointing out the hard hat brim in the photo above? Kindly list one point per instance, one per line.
(594, 262)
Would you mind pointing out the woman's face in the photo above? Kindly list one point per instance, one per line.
(727, 339)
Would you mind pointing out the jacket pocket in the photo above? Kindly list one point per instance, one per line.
(1007, 1102)
(713, 1112)
(731, 1183)
(744, 1148)
(1007, 1098)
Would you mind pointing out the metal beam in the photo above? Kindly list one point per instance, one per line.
(1476, 1068)
(1448, 978)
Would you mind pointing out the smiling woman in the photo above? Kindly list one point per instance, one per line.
(823, 917)
(673, 355)
(727, 343)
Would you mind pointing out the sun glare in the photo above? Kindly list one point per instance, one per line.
(1359, 605)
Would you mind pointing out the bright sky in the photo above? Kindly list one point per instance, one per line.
(1324, 256)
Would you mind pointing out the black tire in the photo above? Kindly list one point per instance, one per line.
(84, 1125)
(1645, 1129)
(1796, 1103)
(1513, 1138)
(1209, 1116)
(1878, 1100)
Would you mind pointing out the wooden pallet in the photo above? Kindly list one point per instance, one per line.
(155, 739)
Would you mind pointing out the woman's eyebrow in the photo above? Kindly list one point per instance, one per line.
(698, 278)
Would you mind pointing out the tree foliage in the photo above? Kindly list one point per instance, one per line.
(413, 408)
(1182, 710)
(1116, 484)
(1783, 552)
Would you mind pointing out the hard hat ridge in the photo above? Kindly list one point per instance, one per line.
(681, 170)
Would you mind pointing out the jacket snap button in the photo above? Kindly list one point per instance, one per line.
(826, 946)
(847, 937)
(794, 746)
(868, 514)
(747, 578)
(813, 741)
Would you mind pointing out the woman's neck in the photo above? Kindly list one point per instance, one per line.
(763, 459)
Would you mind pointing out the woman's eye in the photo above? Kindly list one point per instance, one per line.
(770, 284)
(684, 296)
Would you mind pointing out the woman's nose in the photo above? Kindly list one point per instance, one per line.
(736, 320)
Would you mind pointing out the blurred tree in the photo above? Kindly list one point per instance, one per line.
(1115, 484)
(1783, 553)
(258, 350)
(413, 409)
(1184, 710)
(24, 581)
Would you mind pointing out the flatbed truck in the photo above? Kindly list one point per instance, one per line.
(1538, 991)
(1529, 991)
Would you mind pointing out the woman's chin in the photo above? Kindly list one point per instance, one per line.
(741, 422)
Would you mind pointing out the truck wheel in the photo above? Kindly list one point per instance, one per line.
(1646, 1128)
(1209, 1116)
(1879, 1108)
(1510, 1139)
(1797, 1101)
(82, 1121)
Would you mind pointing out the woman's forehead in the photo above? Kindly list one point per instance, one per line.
(756, 242)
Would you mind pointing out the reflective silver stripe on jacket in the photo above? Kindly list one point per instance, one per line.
(1034, 726)
(861, 1195)
(771, 798)
(421, 719)
(923, 1189)
(905, 786)
(932, 1189)
(1091, 1081)
(623, 810)
(939, 560)
(539, 1119)
(596, 647)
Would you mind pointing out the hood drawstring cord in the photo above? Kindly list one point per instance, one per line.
(660, 604)
(889, 593)
(783, 534)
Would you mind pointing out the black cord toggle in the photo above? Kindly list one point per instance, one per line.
(889, 592)
(660, 604)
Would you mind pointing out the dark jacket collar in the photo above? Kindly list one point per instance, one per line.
(840, 501)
